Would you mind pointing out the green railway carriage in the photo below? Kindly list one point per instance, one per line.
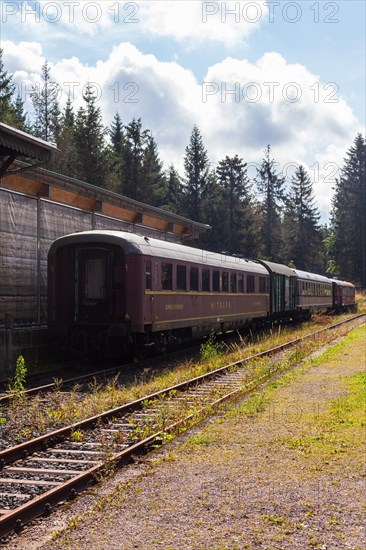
(282, 289)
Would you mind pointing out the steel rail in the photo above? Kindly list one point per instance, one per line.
(24, 449)
(5, 399)
(42, 504)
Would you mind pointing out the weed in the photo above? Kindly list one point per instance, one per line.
(2, 418)
(162, 439)
(251, 407)
(199, 439)
(77, 436)
(108, 450)
(274, 520)
(94, 387)
(58, 384)
(18, 381)
(211, 348)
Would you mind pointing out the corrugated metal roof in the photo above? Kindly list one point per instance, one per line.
(312, 277)
(342, 283)
(136, 244)
(14, 141)
(278, 268)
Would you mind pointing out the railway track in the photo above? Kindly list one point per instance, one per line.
(97, 375)
(83, 379)
(40, 473)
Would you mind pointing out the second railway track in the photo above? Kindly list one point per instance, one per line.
(38, 474)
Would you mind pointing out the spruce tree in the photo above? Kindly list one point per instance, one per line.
(20, 118)
(196, 172)
(133, 157)
(270, 187)
(153, 184)
(117, 135)
(302, 236)
(46, 107)
(6, 93)
(211, 208)
(115, 155)
(237, 225)
(173, 191)
(347, 240)
(66, 159)
(11, 109)
(90, 141)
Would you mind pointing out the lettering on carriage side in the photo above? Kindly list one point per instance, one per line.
(219, 304)
(172, 307)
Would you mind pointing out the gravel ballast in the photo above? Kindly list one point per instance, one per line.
(283, 470)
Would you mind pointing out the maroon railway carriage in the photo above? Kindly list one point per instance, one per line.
(109, 289)
(313, 292)
(343, 295)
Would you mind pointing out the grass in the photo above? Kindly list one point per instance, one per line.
(335, 441)
(29, 418)
(361, 301)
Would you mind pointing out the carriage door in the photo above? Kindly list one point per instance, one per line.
(92, 284)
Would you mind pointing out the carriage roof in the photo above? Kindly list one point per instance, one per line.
(133, 244)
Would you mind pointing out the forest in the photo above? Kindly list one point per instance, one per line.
(265, 216)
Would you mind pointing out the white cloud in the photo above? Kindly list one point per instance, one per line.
(42, 19)
(191, 21)
(274, 102)
(200, 21)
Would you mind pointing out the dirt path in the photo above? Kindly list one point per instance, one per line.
(284, 470)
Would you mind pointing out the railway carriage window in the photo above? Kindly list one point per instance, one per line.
(241, 283)
(95, 278)
(181, 277)
(167, 276)
(233, 282)
(216, 281)
(148, 275)
(205, 280)
(193, 278)
(225, 281)
(262, 285)
(250, 284)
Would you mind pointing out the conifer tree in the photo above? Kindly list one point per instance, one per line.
(133, 156)
(153, 184)
(115, 155)
(173, 191)
(90, 142)
(196, 172)
(347, 240)
(302, 236)
(11, 110)
(237, 225)
(46, 107)
(20, 117)
(211, 208)
(6, 93)
(270, 187)
(66, 159)
(117, 135)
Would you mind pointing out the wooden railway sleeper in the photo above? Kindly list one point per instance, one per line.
(12, 481)
(42, 471)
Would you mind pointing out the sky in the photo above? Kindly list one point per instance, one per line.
(248, 74)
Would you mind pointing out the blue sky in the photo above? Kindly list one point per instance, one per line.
(249, 73)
